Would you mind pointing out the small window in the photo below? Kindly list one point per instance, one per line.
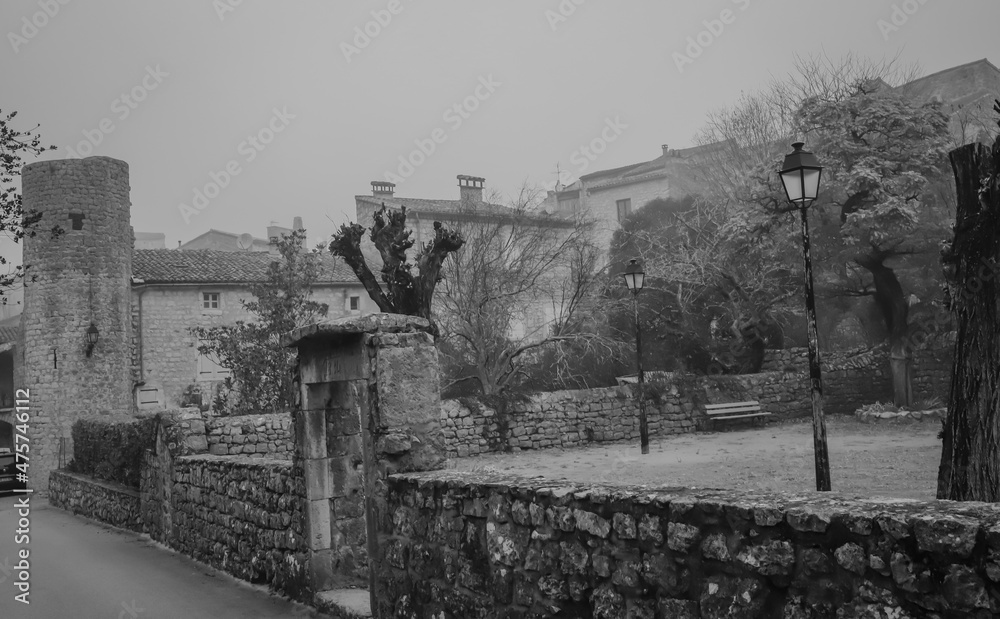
(355, 304)
(77, 219)
(209, 367)
(624, 209)
(210, 300)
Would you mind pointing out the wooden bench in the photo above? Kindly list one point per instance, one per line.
(734, 410)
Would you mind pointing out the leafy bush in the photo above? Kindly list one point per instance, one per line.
(112, 451)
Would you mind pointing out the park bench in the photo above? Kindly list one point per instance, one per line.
(734, 410)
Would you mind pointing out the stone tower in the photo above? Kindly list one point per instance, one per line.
(78, 273)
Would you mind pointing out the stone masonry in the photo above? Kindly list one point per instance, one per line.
(78, 265)
(493, 545)
(271, 436)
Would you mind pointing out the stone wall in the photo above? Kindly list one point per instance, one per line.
(243, 516)
(270, 436)
(464, 545)
(932, 370)
(103, 501)
(79, 261)
(570, 418)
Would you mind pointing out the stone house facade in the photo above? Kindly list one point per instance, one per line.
(173, 291)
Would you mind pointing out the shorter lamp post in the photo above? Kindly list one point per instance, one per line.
(634, 279)
(800, 176)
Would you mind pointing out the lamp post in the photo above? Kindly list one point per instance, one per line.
(800, 176)
(634, 279)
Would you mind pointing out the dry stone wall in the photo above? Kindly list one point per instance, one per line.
(103, 501)
(464, 545)
(243, 516)
(571, 418)
(269, 436)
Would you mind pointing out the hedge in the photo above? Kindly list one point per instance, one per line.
(112, 451)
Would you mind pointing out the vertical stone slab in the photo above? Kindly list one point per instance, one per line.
(79, 268)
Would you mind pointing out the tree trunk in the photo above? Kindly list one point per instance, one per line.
(970, 457)
(892, 305)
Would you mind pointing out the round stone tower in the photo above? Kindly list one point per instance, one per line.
(78, 269)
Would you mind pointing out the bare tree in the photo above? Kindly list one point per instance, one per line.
(520, 282)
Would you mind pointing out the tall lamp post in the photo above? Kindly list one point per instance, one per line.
(634, 279)
(800, 175)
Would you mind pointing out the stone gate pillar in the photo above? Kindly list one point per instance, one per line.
(369, 407)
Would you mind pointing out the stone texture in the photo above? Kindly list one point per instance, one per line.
(688, 557)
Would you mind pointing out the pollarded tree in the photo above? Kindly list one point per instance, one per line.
(404, 292)
(14, 223)
(261, 369)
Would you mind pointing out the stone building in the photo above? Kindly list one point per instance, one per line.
(106, 328)
(470, 209)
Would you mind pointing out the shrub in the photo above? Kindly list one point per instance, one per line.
(112, 451)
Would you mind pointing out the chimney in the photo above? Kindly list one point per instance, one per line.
(383, 189)
(666, 150)
(470, 188)
(297, 223)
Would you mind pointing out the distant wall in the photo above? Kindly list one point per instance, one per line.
(568, 418)
(463, 545)
(271, 436)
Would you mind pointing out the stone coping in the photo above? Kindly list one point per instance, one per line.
(934, 413)
(372, 323)
(107, 485)
(238, 459)
(829, 504)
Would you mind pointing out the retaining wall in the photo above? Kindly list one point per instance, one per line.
(103, 501)
(270, 436)
(465, 545)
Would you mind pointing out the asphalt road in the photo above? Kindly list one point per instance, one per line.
(79, 569)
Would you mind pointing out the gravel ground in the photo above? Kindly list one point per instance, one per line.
(887, 458)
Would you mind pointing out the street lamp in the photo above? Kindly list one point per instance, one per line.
(92, 336)
(634, 279)
(800, 175)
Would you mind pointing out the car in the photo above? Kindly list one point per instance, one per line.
(8, 472)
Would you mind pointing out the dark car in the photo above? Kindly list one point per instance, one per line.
(8, 472)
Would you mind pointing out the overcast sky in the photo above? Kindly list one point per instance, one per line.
(307, 108)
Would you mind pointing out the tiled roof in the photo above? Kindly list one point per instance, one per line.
(431, 206)
(169, 266)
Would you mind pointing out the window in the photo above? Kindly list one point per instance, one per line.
(209, 367)
(624, 208)
(355, 304)
(210, 300)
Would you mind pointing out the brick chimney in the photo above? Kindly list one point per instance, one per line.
(297, 223)
(383, 189)
(666, 150)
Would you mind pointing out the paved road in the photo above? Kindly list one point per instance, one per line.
(81, 570)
